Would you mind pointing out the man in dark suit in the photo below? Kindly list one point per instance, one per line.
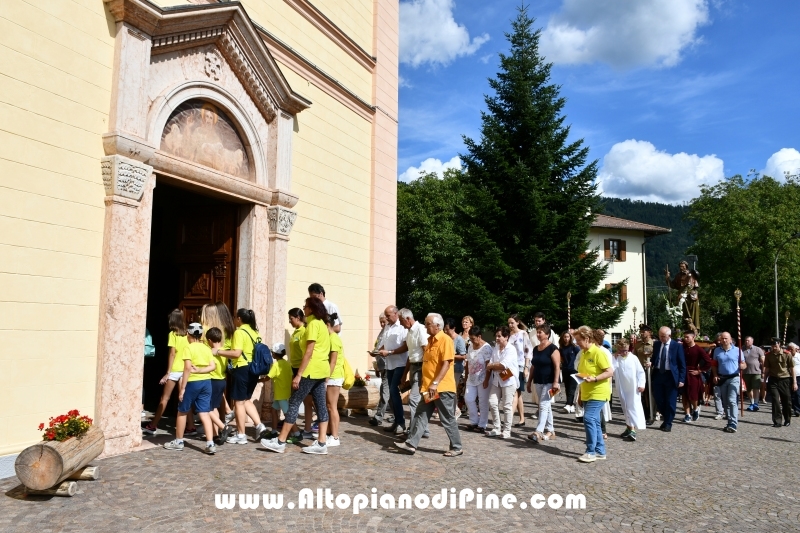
(668, 374)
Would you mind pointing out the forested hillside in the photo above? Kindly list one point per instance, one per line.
(661, 250)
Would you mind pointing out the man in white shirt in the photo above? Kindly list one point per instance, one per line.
(416, 340)
(395, 353)
(538, 320)
(315, 290)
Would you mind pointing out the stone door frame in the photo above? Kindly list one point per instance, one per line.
(163, 58)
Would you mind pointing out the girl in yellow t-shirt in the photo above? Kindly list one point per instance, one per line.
(336, 362)
(177, 343)
(298, 321)
(217, 316)
(311, 379)
(244, 383)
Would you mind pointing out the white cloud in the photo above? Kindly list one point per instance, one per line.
(430, 34)
(636, 170)
(783, 161)
(623, 33)
(429, 165)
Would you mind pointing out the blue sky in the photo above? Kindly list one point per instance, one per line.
(668, 94)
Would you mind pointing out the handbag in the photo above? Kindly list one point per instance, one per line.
(506, 373)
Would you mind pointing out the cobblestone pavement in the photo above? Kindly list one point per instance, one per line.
(696, 478)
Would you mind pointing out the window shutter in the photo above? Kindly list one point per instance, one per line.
(623, 293)
(621, 250)
(607, 249)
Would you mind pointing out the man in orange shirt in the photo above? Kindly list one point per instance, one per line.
(438, 389)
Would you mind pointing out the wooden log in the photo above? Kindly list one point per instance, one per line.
(65, 488)
(47, 464)
(89, 473)
(359, 398)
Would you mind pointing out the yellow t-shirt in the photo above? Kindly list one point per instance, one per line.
(295, 352)
(281, 376)
(179, 343)
(244, 343)
(438, 350)
(336, 346)
(200, 355)
(222, 362)
(318, 367)
(593, 361)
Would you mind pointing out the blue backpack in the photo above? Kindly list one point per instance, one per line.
(262, 358)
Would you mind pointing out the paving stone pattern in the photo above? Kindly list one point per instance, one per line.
(696, 478)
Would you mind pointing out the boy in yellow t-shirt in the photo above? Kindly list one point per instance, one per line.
(195, 388)
(281, 376)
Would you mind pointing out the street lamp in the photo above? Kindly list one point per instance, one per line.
(795, 235)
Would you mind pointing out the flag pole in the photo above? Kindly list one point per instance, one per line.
(738, 294)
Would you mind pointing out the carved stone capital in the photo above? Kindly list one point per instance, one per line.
(281, 220)
(124, 177)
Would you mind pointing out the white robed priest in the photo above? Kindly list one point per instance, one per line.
(631, 379)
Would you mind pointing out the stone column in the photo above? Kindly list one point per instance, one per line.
(281, 221)
(123, 301)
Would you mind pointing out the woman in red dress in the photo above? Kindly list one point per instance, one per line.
(697, 362)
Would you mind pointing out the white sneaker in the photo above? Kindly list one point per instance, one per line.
(174, 445)
(273, 445)
(332, 442)
(237, 439)
(506, 434)
(719, 417)
(316, 448)
(230, 416)
(494, 433)
(458, 412)
(535, 416)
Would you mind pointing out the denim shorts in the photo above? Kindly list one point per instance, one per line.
(281, 405)
(198, 396)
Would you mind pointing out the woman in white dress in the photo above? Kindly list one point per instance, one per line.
(631, 379)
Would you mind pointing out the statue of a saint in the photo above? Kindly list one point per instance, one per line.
(686, 282)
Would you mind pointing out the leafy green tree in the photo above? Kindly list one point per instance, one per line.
(532, 198)
(437, 268)
(739, 226)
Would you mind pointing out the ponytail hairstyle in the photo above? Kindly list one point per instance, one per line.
(177, 324)
(296, 312)
(247, 316)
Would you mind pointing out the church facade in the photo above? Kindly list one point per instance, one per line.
(163, 154)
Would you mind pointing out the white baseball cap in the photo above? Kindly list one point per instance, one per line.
(278, 347)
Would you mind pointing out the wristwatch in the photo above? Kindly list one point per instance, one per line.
(435, 383)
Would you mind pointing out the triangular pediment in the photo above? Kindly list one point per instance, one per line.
(229, 28)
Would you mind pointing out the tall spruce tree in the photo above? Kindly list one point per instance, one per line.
(531, 198)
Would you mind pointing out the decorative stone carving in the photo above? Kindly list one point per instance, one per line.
(213, 66)
(124, 177)
(247, 75)
(281, 220)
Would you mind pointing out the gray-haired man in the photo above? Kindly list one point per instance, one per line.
(438, 388)
(416, 340)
